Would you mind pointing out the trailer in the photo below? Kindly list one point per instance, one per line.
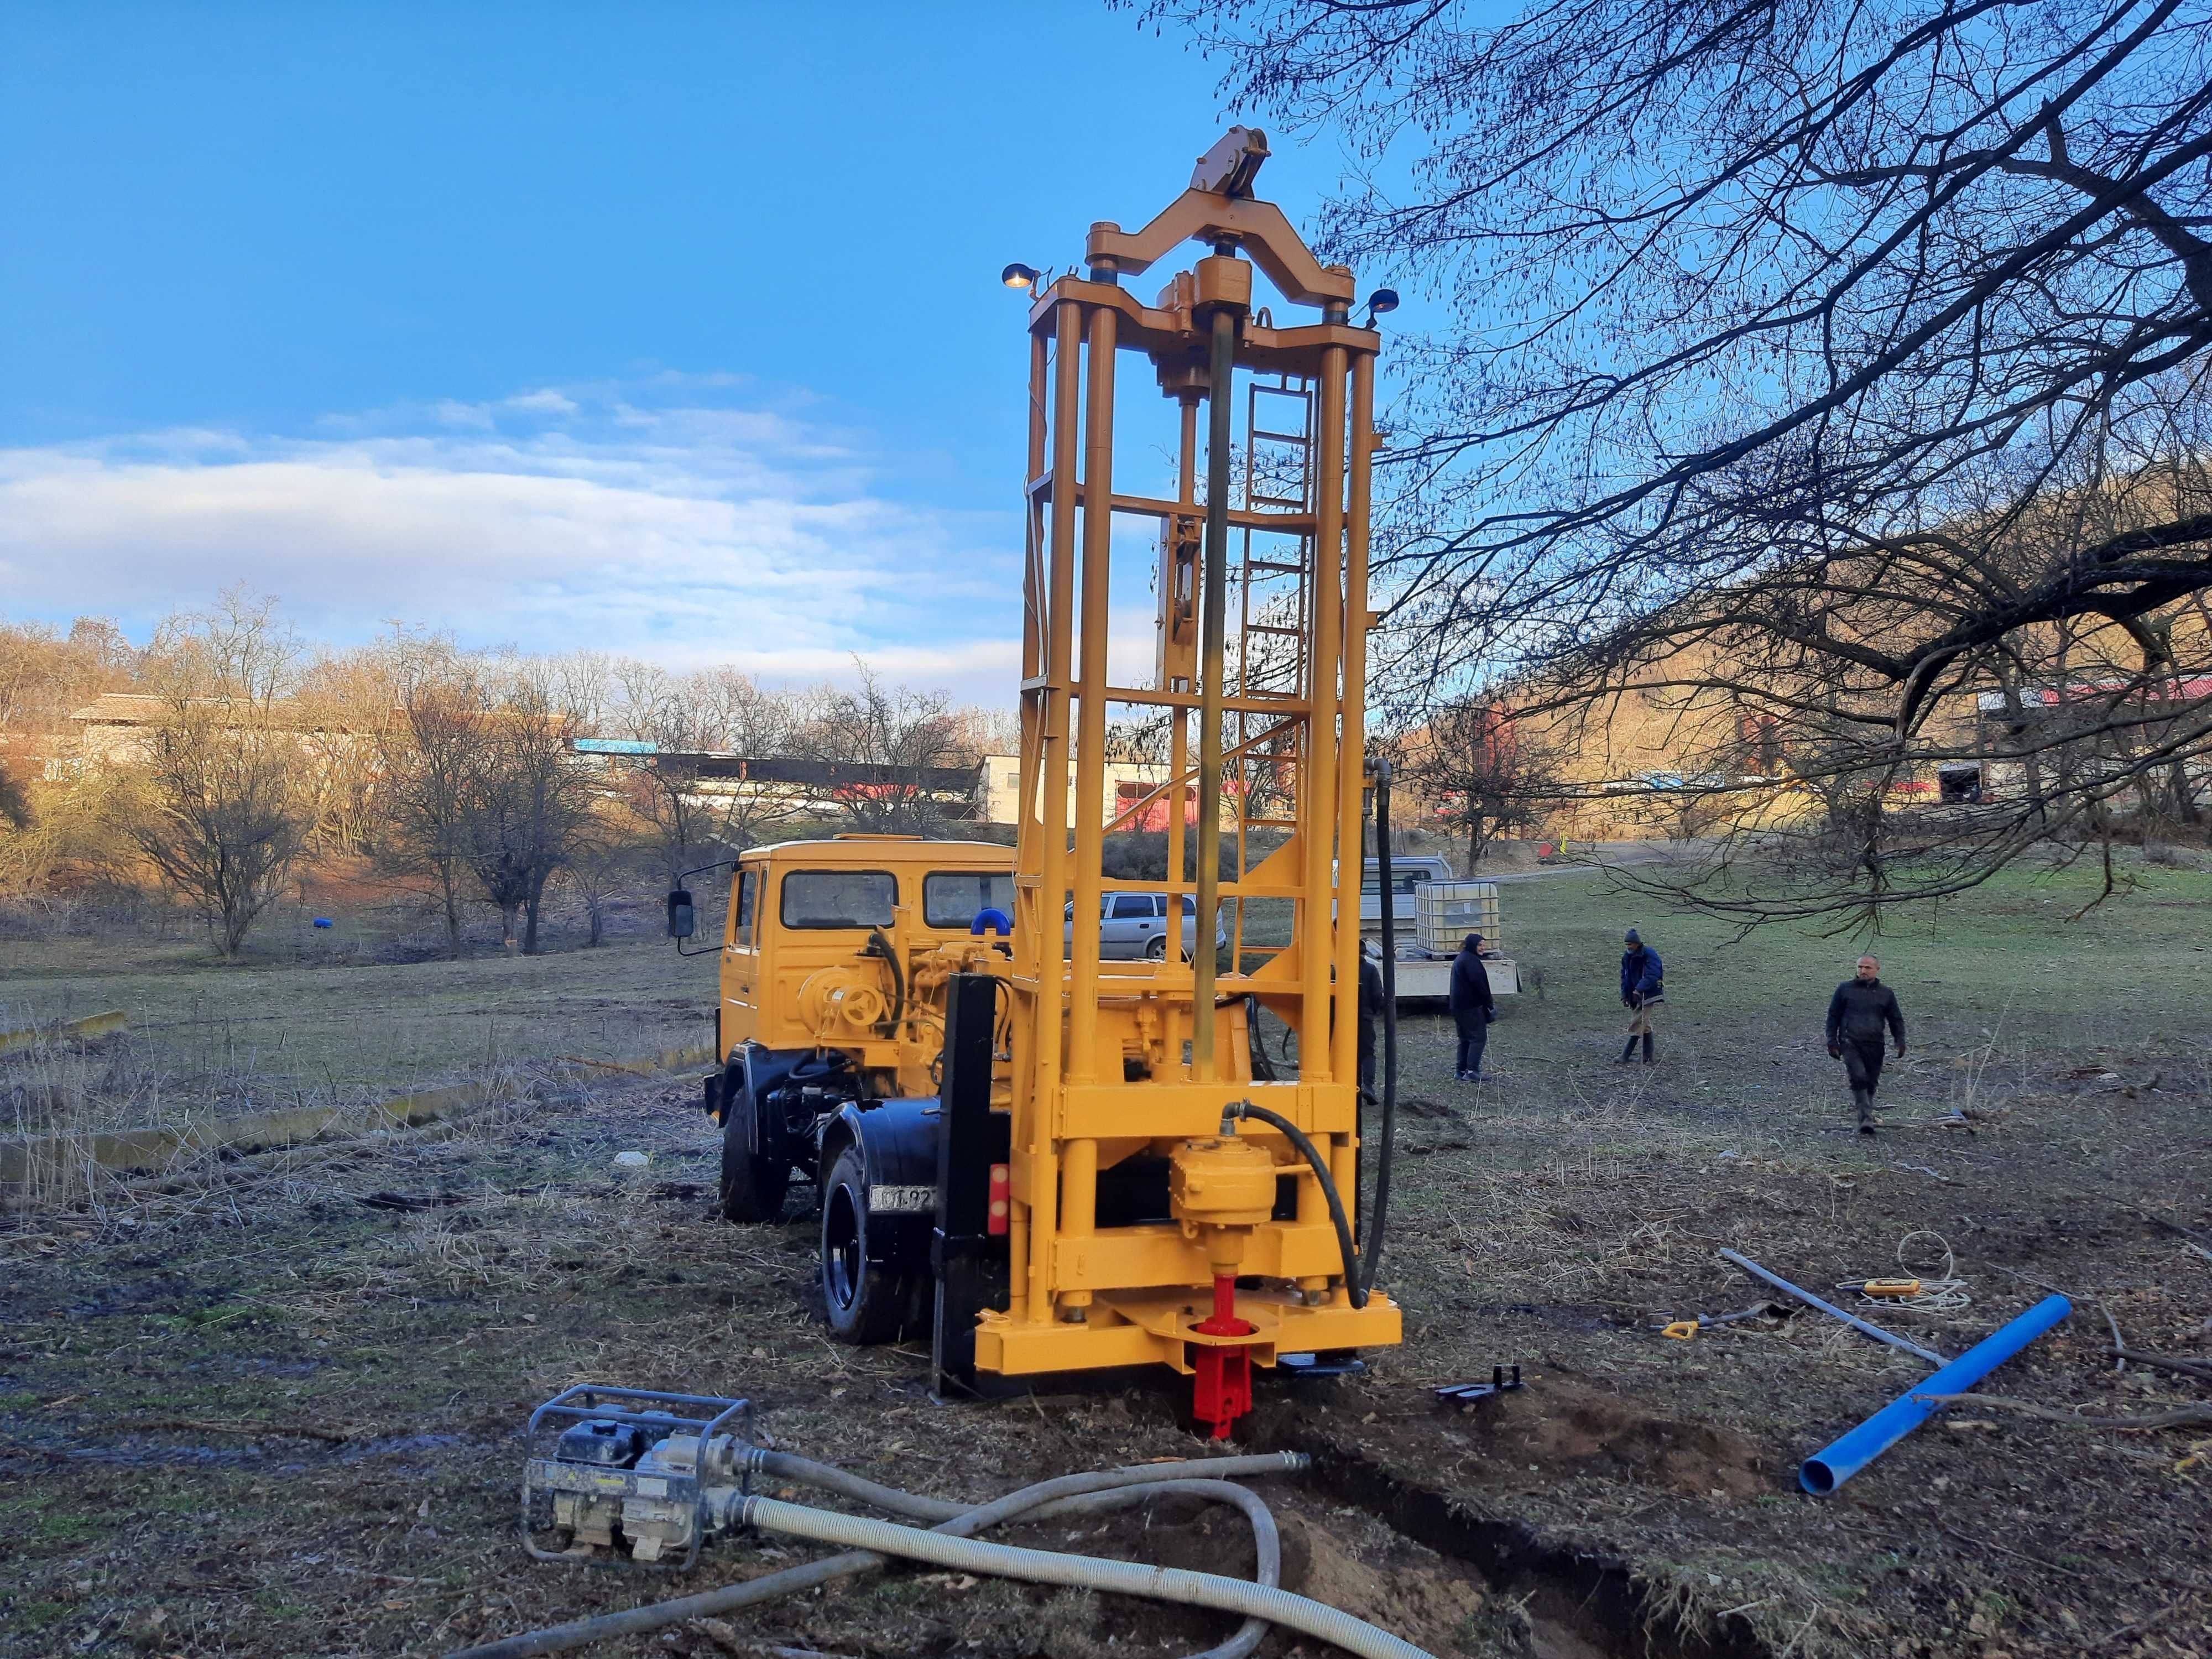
(1433, 912)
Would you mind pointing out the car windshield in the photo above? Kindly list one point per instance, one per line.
(839, 898)
(954, 898)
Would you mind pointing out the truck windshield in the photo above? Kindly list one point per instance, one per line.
(1404, 878)
(839, 898)
(954, 898)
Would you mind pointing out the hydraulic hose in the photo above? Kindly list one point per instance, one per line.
(1352, 1283)
(880, 946)
(1042, 1496)
(1199, 1589)
(1371, 1254)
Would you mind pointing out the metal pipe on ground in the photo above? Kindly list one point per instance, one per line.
(1843, 1457)
(1831, 1309)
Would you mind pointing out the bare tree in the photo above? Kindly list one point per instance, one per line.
(222, 814)
(882, 757)
(352, 710)
(431, 755)
(1843, 364)
(1483, 771)
(602, 854)
(525, 797)
(717, 711)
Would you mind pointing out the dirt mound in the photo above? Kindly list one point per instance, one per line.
(1557, 1423)
(1426, 1600)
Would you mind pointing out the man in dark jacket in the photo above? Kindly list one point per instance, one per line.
(1859, 1013)
(1370, 1010)
(1643, 989)
(1473, 1007)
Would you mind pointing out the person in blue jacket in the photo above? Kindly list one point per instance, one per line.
(1643, 989)
(1473, 1007)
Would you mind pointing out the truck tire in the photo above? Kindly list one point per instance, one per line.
(753, 1188)
(868, 1302)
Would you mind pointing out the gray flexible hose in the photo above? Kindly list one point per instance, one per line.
(1198, 1590)
(1267, 1540)
(581, 1632)
(829, 1478)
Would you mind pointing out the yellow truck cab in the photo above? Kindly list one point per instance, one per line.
(830, 1029)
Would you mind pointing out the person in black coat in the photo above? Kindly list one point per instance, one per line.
(1862, 1010)
(1473, 1007)
(1370, 1010)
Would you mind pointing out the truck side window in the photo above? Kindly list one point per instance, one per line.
(741, 932)
(953, 898)
(839, 898)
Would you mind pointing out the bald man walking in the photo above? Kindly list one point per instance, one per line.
(1862, 1010)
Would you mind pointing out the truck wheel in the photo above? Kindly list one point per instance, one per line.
(868, 1302)
(753, 1188)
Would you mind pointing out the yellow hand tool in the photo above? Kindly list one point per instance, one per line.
(1890, 1287)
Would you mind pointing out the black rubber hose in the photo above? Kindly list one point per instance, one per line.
(1312, 1154)
(1371, 1254)
(880, 947)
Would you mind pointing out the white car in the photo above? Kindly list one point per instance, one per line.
(1134, 926)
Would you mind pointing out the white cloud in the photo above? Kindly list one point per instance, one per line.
(654, 520)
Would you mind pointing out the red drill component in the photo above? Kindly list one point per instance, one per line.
(1222, 1380)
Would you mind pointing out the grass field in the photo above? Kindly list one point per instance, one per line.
(268, 1033)
(271, 1407)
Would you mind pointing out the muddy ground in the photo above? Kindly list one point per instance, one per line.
(272, 1407)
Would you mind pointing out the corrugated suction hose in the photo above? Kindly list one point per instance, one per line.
(1197, 1589)
(1208, 1478)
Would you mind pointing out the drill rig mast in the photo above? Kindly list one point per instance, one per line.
(1259, 675)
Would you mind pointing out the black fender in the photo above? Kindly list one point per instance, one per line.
(897, 1141)
(765, 1069)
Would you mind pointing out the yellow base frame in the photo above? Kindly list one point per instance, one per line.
(1141, 1328)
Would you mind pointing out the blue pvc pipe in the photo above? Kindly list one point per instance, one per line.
(1838, 1461)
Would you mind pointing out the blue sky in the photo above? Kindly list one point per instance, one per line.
(661, 329)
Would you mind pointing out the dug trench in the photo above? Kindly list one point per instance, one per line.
(1557, 1599)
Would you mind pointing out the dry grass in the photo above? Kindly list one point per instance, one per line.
(417, 1293)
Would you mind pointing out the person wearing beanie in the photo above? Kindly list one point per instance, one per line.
(1472, 1005)
(1643, 989)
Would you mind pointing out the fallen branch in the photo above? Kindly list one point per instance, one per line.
(2169, 1362)
(2022, 1555)
(2178, 1417)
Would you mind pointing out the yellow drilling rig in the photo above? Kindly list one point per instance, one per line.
(1055, 1159)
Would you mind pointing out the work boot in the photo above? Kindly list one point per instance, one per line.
(1629, 1052)
(1647, 1048)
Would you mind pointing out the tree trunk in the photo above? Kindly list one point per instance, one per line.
(506, 915)
(451, 894)
(2184, 795)
(530, 922)
(236, 918)
(592, 909)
